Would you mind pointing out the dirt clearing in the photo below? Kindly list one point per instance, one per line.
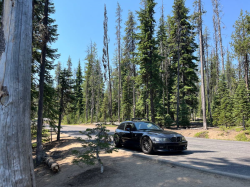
(121, 169)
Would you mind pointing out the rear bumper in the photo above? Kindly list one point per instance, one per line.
(169, 147)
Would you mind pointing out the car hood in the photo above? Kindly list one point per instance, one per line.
(161, 133)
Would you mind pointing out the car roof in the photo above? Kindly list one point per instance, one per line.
(136, 121)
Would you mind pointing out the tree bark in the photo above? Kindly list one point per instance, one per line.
(202, 70)
(246, 64)
(41, 87)
(219, 32)
(119, 56)
(16, 164)
(207, 77)
(60, 116)
(92, 97)
(216, 41)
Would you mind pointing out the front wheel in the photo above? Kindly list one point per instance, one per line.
(147, 145)
(117, 140)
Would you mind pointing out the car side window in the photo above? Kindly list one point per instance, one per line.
(131, 126)
(121, 126)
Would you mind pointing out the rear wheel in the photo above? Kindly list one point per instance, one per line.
(147, 145)
(117, 140)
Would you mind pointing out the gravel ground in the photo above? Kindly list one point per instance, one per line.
(122, 169)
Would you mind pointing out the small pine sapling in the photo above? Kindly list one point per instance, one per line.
(98, 140)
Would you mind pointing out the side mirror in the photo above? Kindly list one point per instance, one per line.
(128, 129)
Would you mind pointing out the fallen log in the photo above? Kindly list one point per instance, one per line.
(51, 163)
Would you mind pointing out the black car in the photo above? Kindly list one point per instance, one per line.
(149, 137)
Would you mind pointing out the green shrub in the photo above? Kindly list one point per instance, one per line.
(241, 137)
(203, 134)
(223, 128)
(168, 120)
(222, 134)
(247, 131)
(238, 129)
(98, 140)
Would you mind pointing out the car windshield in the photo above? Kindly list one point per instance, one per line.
(146, 126)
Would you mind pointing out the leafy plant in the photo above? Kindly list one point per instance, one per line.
(101, 141)
(223, 128)
(238, 129)
(222, 134)
(203, 134)
(242, 137)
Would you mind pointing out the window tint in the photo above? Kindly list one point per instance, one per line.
(133, 128)
(121, 126)
(146, 126)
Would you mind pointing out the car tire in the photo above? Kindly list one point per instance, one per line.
(117, 140)
(147, 145)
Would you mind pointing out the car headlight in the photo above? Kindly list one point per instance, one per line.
(161, 139)
(183, 139)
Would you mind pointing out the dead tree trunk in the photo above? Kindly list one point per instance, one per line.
(60, 116)
(134, 104)
(16, 164)
(92, 96)
(215, 23)
(217, 12)
(118, 35)
(207, 78)
(202, 69)
(246, 67)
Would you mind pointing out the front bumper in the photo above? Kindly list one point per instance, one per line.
(169, 147)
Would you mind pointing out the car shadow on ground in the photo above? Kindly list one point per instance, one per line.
(187, 152)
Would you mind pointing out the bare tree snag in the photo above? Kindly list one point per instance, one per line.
(215, 23)
(203, 100)
(207, 77)
(118, 35)
(16, 164)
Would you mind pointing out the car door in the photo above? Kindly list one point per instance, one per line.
(127, 136)
(120, 131)
(135, 136)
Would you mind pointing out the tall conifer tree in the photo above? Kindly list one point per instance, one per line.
(147, 52)
(182, 32)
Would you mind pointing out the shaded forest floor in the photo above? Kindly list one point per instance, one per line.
(121, 169)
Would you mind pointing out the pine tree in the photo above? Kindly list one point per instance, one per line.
(230, 73)
(79, 91)
(44, 31)
(162, 50)
(128, 68)
(217, 100)
(66, 96)
(147, 52)
(92, 82)
(226, 108)
(241, 42)
(105, 58)
(118, 37)
(181, 32)
(241, 104)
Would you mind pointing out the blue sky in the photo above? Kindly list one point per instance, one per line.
(81, 21)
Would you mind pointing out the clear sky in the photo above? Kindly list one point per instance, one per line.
(81, 21)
